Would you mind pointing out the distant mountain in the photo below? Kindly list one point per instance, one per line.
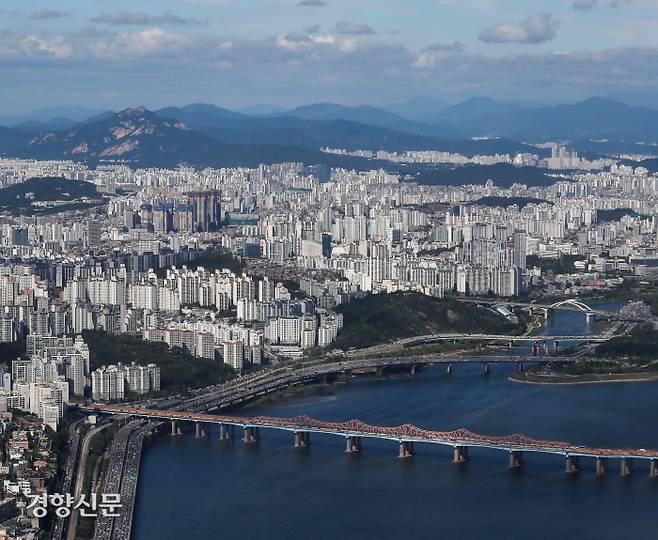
(74, 113)
(232, 127)
(98, 117)
(637, 99)
(11, 141)
(595, 118)
(261, 110)
(372, 116)
(142, 138)
(56, 124)
(132, 135)
(480, 107)
(592, 118)
(418, 109)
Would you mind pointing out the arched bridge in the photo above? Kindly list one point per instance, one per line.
(406, 435)
(577, 304)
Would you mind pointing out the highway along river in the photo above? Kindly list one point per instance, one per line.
(205, 488)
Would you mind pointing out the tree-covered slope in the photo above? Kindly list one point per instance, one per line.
(382, 318)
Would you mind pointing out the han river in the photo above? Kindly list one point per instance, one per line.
(193, 489)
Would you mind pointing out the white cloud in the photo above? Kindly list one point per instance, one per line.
(353, 28)
(531, 30)
(149, 42)
(45, 46)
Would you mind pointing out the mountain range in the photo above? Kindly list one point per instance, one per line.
(208, 135)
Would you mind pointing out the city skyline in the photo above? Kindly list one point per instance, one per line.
(167, 52)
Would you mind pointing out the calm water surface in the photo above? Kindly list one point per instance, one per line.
(191, 489)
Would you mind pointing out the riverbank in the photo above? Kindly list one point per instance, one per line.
(293, 392)
(590, 378)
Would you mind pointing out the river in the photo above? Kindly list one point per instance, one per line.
(195, 489)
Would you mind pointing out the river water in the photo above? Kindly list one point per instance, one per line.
(193, 489)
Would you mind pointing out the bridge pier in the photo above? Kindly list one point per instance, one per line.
(487, 368)
(519, 367)
(626, 467)
(535, 349)
(515, 460)
(412, 370)
(449, 369)
(302, 439)
(571, 465)
(460, 454)
(199, 432)
(174, 431)
(653, 468)
(601, 468)
(353, 445)
(224, 432)
(406, 449)
(250, 434)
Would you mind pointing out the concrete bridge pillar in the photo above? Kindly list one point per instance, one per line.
(571, 465)
(406, 449)
(199, 432)
(515, 459)
(449, 369)
(250, 434)
(546, 313)
(653, 468)
(353, 445)
(412, 370)
(519, 367)
(626, 467)
(224, 432)
(511, 343)
(174, 431)
(535, 349)
(487, 368)
(601, 469)
(556, 345)
(590, 316)
(460, 454)
(302, 439)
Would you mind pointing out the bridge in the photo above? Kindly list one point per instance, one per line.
(571, 304)
(498, 337)
(248, 388)
(354, 431)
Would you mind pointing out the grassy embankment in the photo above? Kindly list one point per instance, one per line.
(629, 357)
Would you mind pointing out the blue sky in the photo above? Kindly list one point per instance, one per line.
(117, 53)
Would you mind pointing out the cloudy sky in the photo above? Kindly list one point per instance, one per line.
(235, 53)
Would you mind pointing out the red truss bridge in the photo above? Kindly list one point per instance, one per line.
(405, 435)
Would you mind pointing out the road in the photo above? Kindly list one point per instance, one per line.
(123, 523)
(249, 387)
(69, 474)
(121, 477)
(80, 476)
(404, 433)
(113, 475)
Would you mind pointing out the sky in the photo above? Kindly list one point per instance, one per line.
(111, 54)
